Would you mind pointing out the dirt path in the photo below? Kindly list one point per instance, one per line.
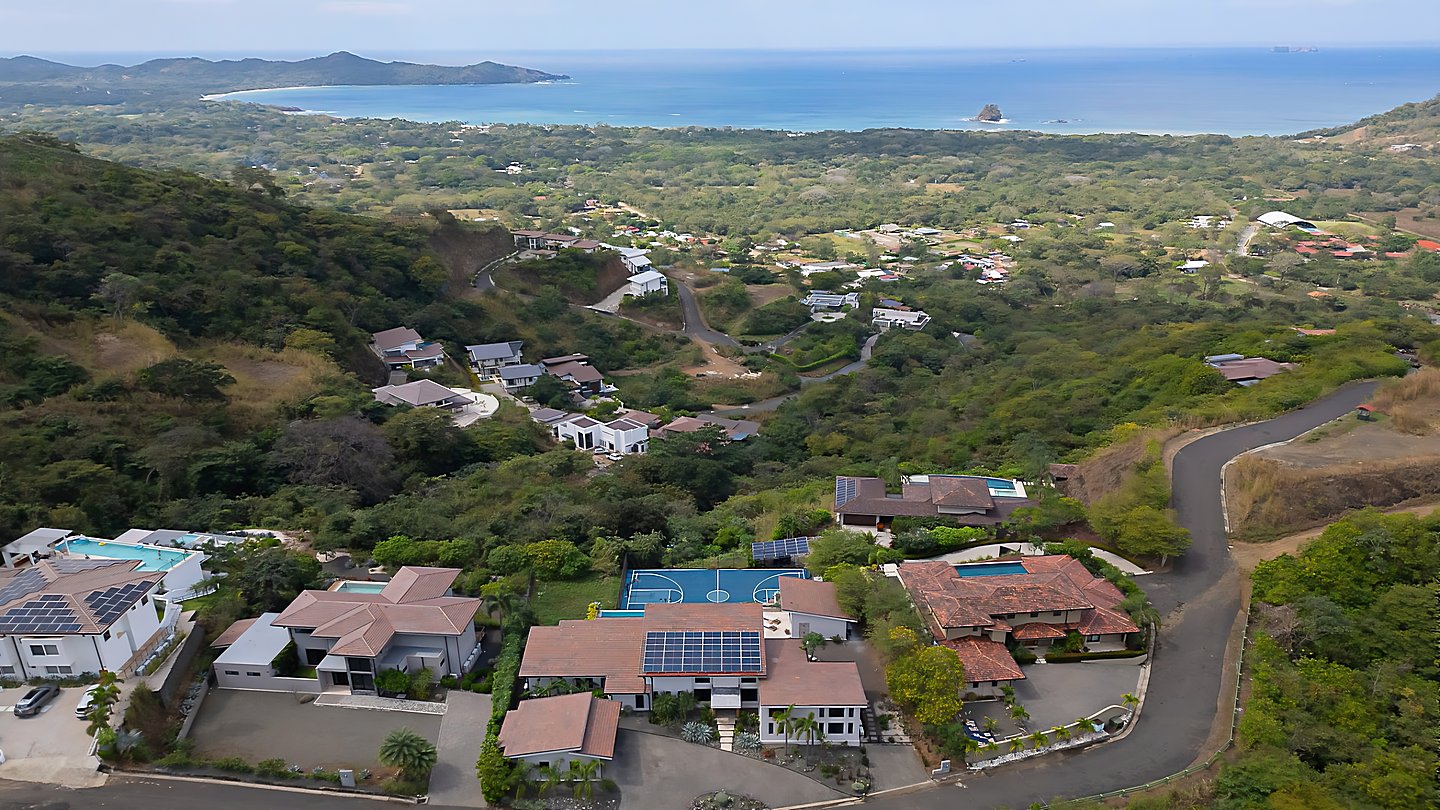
(1247, 555)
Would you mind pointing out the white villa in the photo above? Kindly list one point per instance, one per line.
(824, 300)
(514, 378)
(402, 347)
(887, 319)
(488, 358)
(649, 282)
(180, 569)
(616, 436)
(65, 617)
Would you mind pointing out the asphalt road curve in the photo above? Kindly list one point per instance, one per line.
(1187, 676)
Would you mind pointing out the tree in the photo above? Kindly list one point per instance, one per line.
(122, 292)
(1019, 714)
(412, 754)
(1130, 701)
(427, 441)
(1152, 532)
(812, 642)
(839, 547)
(927, 681)
(584, 773)
(1038, 739)
(550, 391)
(809, 728)
(190, 380)
(392, 682)
(346, 451)
(271, 578)
(785, 722)
(550, 777)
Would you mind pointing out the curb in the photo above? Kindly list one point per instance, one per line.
(262, 786)
(1224, 502)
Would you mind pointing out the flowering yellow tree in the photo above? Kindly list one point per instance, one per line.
(927, 682)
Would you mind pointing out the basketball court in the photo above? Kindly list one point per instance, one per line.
(704, 585)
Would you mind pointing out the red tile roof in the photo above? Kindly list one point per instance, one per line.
(1426, 244)
(607, 649)
(985, 660)
(362, 624)
(1037, 630)
(232, 633)
(790, 678)
(579, 723)
(810, 596)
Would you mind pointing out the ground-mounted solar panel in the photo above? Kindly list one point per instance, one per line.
(780, 549)
(702, 652)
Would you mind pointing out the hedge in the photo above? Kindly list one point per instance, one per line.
(491, 767)
(1071, 658)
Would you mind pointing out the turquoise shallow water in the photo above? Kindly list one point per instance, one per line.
(1234, 91)
(151, 559)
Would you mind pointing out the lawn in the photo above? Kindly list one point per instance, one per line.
(554, 601)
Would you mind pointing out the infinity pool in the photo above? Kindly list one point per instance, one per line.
(150, 557)
(990, 569)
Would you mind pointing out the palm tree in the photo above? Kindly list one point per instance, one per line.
(412, 754)
(1085, 724)
(991, 725)
(584, 773)
(785, 722)
(1130, 701)
(991, 748)
(1019, 714)
(520, 775)
(1061, 733)
(1007, 693)
(1017, 745)
(550, 777)
(1038, 739)
(971, 747)
(809, 728)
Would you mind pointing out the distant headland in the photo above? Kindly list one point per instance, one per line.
(30, 80)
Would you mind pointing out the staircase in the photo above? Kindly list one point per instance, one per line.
(725, 723)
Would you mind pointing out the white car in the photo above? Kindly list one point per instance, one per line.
(86, 699)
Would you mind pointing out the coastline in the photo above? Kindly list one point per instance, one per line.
(223, 96)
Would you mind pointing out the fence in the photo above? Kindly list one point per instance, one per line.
(1193, 769)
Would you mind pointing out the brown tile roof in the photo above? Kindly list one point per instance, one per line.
(390, 338)
(232, 633)
(792, 679)
(79, 586)
(1102, 621)
(1035, 631)
(985, 660)
(960, 492)
(927, 498)
(609, 649)
(810, 596)
(363, 623)
(579, 723)
(702, 616)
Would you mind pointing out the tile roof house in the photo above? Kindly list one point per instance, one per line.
(412, 623)
(865, 505)
(402, 347)
(735, 429)
(975, 615)
(575, 369)
(813, 608)
(554, 731)
(421, 394)
(718, 652)
(1246, 370)
(65, 617)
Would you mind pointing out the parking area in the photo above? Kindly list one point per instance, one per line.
(49, 747)
(1057, 694)
(267, 725)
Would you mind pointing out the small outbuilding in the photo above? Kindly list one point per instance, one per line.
(555, 731)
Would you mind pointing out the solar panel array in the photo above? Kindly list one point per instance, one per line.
(49, 613)
(844, 491)
(22, 584)
(777, 549)
(109, 604)
(702, 652)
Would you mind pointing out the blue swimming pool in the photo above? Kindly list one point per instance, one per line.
(1002, 487)
(702, 585)
(357, 586)
(150, 557)
(990, 569)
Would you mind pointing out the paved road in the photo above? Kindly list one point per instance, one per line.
(866, 350)
(1187, 676)
(1242, 245)
(695, 325)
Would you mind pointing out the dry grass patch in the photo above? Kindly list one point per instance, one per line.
(1266, 499)
(266, 379)
(1412, 402)
(1104, 472)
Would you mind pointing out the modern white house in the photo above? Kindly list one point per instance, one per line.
(178, 563)
(555, 731)
(616, 436)
(649, 282)
(634, 259)
(247, 660)
(351, 633)
(488, 358)
(887, 319)
(828, 691)
(65, 617)
(514, 378)
(824, 300)
(1282, 220)
(402, 347)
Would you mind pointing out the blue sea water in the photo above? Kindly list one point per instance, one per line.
(1234, 91)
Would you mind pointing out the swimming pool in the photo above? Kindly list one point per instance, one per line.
(991, 569)
(357, 586)
(151, 558)
(1003, 487)
(704, 585)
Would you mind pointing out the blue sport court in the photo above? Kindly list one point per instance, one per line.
(704, 585)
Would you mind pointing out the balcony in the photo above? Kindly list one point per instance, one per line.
(725, 697)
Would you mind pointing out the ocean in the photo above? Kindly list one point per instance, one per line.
(1232, 91)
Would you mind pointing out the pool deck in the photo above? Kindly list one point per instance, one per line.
(980, 553)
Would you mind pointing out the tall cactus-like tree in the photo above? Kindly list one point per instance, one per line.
(407, 751)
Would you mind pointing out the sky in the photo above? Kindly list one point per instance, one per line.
(468, 29)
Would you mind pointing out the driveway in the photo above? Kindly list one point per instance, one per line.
(664, 773)
(453, 782)
(265, 725)
(1200, 600)
(49, 747)
(1056, 694)
(695, 325)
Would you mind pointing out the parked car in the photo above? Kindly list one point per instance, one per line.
(87, 698)
(35, 700)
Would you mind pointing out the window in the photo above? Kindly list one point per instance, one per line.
(749, 680)
(7, 670)
(358, 664)
(702, 680)
(59, 670)
(834, 728)
(232, 672)
(849, 712)
(1034, 614)
(314, 657)
(1092, 638)
(994, 683)
(639, 701)
(44, 649)
(835, 712)
(252, 674)
(144, 600)
(106, 635)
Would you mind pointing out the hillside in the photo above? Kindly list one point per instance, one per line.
(1417, 122)
(28, 80)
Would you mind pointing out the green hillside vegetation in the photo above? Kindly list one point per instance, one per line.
(1344, 709)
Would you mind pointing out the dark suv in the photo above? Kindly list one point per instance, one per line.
(35, 700)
